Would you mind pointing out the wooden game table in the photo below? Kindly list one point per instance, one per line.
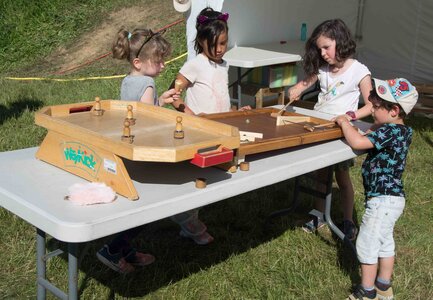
(99, 140)
(94, 139)
(293, 130)
(38, 196)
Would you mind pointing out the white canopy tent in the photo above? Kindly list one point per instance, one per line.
(394, 37)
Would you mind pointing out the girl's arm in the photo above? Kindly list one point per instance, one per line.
(365, 87)
(296, 91)
(355, 140)
(181, 84)
(147, 96)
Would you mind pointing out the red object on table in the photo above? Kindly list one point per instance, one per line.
(213, 157)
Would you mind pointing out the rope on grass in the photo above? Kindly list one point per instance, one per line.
(83, 78)
(90, 62)
(107, 54)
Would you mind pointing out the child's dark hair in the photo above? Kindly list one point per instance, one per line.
(210, 24)
(345, 46)
(377, 101)
(142, 44)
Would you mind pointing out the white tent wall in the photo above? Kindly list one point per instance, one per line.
(263, 21)
(396, 36)
(266, 21)
(397, 39)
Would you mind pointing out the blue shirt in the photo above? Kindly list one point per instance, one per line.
(383, 167)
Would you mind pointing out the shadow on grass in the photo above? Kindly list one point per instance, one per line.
(17, 107)
(238, 224)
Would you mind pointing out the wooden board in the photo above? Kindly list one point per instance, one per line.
(91, 146)
(153, 130)
(275, 137)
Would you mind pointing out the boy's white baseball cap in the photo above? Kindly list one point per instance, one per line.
(182, 5)
(398, 90)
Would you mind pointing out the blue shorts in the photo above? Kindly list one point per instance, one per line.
(375, 238)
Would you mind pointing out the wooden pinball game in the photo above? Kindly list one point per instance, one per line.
(90, 139)
(263, 130)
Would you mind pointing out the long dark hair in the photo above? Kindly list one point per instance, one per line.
(210, 25)
(345, 45)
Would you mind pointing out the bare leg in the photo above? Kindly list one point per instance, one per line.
(346, 193)
(386, 267)
(319, 204)
(368, 274)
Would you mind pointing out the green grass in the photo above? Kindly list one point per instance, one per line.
(31, 30)
(250, 259)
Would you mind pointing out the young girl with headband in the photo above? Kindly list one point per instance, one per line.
(145, 51)
(205, 77)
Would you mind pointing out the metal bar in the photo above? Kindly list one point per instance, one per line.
(73, 271)
(52, 288)
(52, 254)
(40, 263)
(328, 200)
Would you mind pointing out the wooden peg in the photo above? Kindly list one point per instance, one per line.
(178, 85)
(200, 183)
(130, 116)
(127, 137)
(178, 133)
(97, 110)
(244, 166)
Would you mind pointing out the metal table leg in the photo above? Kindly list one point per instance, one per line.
(326, 215)
(239, 87)
(41, 265)
(73, 271)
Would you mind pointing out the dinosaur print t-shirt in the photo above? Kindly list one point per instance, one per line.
(383, 167)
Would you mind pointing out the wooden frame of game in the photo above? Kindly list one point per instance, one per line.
(92, 139)
(89, 139)
(261, 130)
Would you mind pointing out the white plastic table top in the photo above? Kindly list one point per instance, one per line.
(35, 190)
(264, 54)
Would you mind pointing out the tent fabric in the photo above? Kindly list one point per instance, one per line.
(395, 36)
(397, 39)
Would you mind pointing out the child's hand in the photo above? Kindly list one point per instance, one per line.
(169, 97)
(244, 108)
(340, 119)
(347, 117)
(294, 93)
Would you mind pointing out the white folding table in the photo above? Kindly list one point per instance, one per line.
(35, 191)
(261, 55)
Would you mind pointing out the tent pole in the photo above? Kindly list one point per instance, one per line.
(359, 19)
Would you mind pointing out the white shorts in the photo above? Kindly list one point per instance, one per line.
(375, 238)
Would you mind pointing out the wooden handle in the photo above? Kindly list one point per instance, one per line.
(312, 127)
(324, 124)
(282, 109)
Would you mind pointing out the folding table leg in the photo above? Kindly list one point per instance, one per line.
(73, 271)
(40, 263)
(286, 211)
(328, 200)
(327, 214)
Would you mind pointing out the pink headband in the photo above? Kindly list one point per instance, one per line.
(204, 20)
